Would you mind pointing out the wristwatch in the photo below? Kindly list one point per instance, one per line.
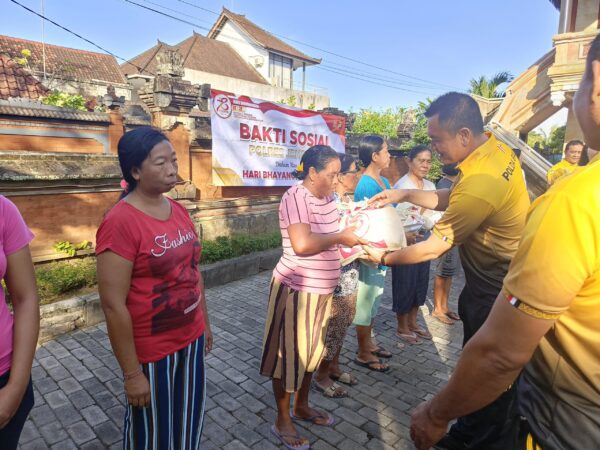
(382, 260)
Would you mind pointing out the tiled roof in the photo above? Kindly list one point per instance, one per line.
(66, 63)
(30, 109)
(261, 36)
(16, 82)
(199, 53)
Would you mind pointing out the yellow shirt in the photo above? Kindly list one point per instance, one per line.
(559, 170)
(556, 274)
(486, 215)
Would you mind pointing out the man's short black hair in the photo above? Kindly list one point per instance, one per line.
(573, 142)
(456, 111)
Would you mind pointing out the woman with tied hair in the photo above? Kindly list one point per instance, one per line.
(374, 155)
(301, 291)
(152, 294)
(410, 282)
(19, 330)
(343, 305)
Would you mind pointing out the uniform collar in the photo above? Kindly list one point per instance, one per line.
(476, 154)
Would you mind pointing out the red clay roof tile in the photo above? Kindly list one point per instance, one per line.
(15, 81)
(66, 62)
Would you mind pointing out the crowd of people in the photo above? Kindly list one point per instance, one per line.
(529, 373)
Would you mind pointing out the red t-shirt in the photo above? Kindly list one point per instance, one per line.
(164, 295)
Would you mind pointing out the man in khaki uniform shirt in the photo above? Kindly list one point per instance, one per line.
(546, 319)
(485, 215)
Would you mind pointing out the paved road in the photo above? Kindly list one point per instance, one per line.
(79, 392)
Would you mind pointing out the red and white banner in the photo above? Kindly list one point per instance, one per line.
(259, 143)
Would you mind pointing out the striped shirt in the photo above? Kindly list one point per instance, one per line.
(318, 273)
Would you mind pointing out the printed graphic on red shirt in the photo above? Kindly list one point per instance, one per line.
(171, 311)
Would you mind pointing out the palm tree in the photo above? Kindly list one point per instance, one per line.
(488, 87)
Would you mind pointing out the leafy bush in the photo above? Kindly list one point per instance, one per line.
(60, 277)
(64, 100)
(230, 247)
(69, 248)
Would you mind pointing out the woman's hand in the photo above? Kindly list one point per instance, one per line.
(208, 339)
(347, 238)
(388, 196)
(10, 399)
(411, 238)
(373, 254)
(137, 390)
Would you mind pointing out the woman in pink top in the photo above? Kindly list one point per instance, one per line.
(18, 331)
(301, 291)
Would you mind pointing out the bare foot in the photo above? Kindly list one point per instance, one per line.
(287, 432)
(372, 360)
(315, 416)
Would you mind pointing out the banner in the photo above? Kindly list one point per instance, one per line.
(260, 143)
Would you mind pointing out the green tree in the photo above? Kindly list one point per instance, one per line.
(489, 87)
(537, 137)
(384, 122)
(556, 140)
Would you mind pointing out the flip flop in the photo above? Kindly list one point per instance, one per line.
(333, 391)
(453, 315)
(312, 419)
(282, 438)
(381, 352)
(444, 318)
(424, 334)
(409, 338)
(370, 365)
(345, 378)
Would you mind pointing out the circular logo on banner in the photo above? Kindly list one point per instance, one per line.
(222, 106)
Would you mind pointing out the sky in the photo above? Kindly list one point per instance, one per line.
(445, 43)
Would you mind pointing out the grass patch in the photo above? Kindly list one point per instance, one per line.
(61, 277)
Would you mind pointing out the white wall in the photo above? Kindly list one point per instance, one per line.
(235, 37)
(257, 90)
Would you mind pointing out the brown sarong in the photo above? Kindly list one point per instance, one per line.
(294, 339)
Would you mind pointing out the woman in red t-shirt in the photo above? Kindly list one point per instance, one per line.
(153, 297)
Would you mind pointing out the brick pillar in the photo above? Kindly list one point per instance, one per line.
(180, 140)
(116, 129)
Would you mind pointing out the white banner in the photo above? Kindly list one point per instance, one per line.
(259, 143)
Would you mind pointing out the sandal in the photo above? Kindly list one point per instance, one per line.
(453, 315)
(333, 391)
(313, 419)
(345, 378)
(371, 365)
(444, 318)
(381, 352)
(422, 333)
(409, 338)
(283, 436)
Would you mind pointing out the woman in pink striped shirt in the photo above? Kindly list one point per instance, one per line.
(301, 291)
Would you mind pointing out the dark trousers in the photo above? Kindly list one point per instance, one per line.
(9, 435)
(490, 427)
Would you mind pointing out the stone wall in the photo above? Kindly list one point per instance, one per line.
(225, 217)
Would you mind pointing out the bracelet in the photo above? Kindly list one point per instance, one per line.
(130, 375)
